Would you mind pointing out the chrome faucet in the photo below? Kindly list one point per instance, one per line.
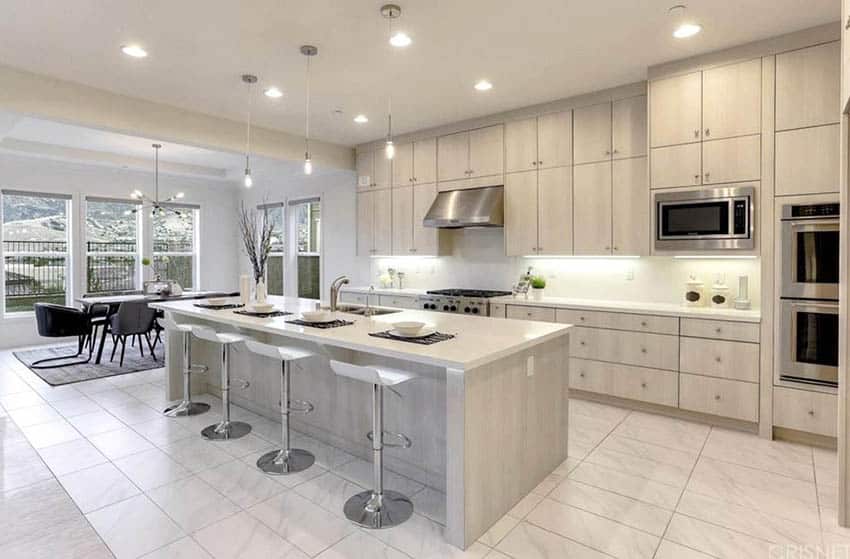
(335, 285)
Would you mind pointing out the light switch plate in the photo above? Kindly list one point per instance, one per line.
(529, 366)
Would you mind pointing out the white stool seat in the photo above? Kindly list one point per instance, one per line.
(284, 353)
(170, 324)
(384, 376)
(206, 333)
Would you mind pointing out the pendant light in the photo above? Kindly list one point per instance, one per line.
(155, 204)
(309, 51)
(250, 80)
(390, 12)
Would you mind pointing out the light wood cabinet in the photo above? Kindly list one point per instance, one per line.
(374, 222)
(486, 151)
(498, 310)
(720, 330)
(592, 213)
(625, 381)
(555, 211)
(656, 351)
(675, 110)
(354, 298)
(409, 206)
(731, 160)
(715, 358)
(619, 321)
(402, 165)
(673, 166)
(521, 145)
(521, 213)
(845, 54)
(630, 207)
(425, 161)
(397, 301)
(383, 170)
(807, 160)
(715, 396)
(555, 140)
(808, 87)
(453, 156)
(804, 410)
(365, 162)
(520, 312)
(402, 221)
(592, 133)
(628, 127)
(731, 100)
(425, 239)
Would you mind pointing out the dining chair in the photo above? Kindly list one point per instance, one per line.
(133, 319)
(58, 321)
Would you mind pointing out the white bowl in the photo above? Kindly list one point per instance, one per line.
(260, 307)
(316, 316)
(409, 328)
(217, 301)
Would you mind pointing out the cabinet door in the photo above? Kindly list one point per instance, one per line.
(487, 151)
(675, 109)
(628, 117)
(383, 221)
(676, 166)
(521, 213)
(402, 165)
(555, 210)
(365, 223)
(731, 100)
(521, 145)
(453, 156)
(402, 220)
(592, 130)
(807, 160)
(365, 170)
(845, 53)
(808, 86)
(555, 140)
(425, 161)
(631, 223)
(383, 170)
(424, 238)
(731, 160)
(592, 208)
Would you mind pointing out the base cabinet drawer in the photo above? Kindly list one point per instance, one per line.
(715, 396)
(397, 301)
(655, 351)
(619, 321)
(624, 381)
(497, 310)
(804, 410)
(721, 330)
(717, 358)
(543, 314)
(357, 298)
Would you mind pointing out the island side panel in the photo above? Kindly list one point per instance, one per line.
(514, 432)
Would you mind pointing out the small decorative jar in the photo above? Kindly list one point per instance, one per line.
(694, 294)
(720, 294)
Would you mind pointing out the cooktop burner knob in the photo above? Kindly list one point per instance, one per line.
(474, 310)
(467, 309)
(445, 307)
(454, 308)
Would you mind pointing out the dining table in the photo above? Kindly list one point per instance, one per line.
(112, 302)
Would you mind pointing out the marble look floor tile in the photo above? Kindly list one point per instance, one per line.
(498, 531)
(134, 527)
(783, 458)
(527, 541)
(826, 466)
(583, 422)
(21, 466)
(360, 472)
(192, 503)
(625, 445)
(120, 442)
(670, 550)
(327, 456)
(829, 523)
(21, 399)
(641, 489)
(664, 431)
(431, 503)
(150, 469)
(72, 456)
(98, 486)
(184, 548)
(714, 540)
(726, 472)
(611, 414)
(289, 480)
(625, 510)
(422, 538)
(297, 520)
(74, 539)
(54, 394)
(496, 554)
(112, 398)
(145, 392)
(525, 505)
(748, 521)
(163, 431)
(243, 484)
(243, 536)
(330, 492)
(593, 531)
(34, 511)
(641, 467)
(33, 415)
(94, 423)
(360, 545)
(197, 454)
(77, 405)
(49, 434)
(134, 412)
(249, 444)
(95, 386)
(827, 495)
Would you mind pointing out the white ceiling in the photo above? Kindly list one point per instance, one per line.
(533, 51)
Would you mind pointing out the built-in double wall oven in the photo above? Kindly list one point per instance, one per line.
(809, 294)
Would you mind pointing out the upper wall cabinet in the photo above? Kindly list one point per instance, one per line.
(610, 130)
(628, 129)
(521, 145)
(453, 157)
(592, 129)
(539, 143)
(374, 222)
(808, 87)
(675, 110)
(471, 154)
(415, 163)
(731, 100)
(538, 212)
(374, 170)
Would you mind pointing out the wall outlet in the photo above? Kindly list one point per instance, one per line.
(529, 366)
(630, 274)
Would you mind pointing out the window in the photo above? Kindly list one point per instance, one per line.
(112, 246)
(36, 260)
(175, 244)
(306, 215)
(274, 268)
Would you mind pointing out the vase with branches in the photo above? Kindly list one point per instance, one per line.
(256, 229)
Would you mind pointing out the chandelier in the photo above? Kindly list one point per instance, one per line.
(155, 205)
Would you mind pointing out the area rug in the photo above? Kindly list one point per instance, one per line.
(133, 363)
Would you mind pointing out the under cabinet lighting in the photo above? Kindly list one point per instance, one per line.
(581, 257)
(715, 257)
(273, 92)
(402, 256)
(134, 50)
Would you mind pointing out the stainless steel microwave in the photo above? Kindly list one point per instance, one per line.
(705, 219)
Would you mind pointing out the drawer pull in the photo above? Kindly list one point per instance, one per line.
(581, 318)
(582, 343)
(643, 350)
(581, 374)
(718, 330)
(643, 385)
(812, 413)
(717, 397)
(528, 314)
(717, 359)
(643, 323)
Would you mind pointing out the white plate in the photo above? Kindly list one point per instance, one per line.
(328, 317)
(409, 327)
(427, 331)
(261, 309)
(217, 302)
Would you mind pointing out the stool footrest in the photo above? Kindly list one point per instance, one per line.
(300, 406)
(197, 368)
(403, 440)
(241, 382)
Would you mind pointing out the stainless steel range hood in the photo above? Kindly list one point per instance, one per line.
(472, 207)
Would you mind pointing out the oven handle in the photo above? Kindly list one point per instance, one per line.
(830, 306)
(815, 222)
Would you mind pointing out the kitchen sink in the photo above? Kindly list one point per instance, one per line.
(362, 311)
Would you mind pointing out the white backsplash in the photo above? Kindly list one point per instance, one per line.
(478, 261)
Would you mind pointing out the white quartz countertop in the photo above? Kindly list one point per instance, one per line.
(409, 291)
(477, 341)
(664, 309)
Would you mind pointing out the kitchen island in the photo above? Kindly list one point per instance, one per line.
(487, 414)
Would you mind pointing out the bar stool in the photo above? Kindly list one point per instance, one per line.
(224, 429)
(287, 460)
(377, 508)
(187, 406)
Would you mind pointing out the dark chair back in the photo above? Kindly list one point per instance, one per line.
(57, 321)
(132, 317)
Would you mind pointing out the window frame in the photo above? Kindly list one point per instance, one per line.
(196, 243)
(138, 253)
(277, 253)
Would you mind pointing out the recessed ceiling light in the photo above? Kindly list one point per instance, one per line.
(361, 119)
(273, 92)
(686, 30)
(134, 50)
(400, 39)
(483, 85)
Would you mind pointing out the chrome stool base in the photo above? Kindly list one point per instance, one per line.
(226, 430)
(185, 408)
(281, 462)
(369, 510)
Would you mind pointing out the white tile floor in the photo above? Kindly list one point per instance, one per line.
(92, 470)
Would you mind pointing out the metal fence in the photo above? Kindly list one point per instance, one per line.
(36, 273)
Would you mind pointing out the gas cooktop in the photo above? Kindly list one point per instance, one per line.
(469, 301)
(471, 293)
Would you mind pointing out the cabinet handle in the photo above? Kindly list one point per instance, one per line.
(607, 248)
(643, 323)
(717, 359)
(607, 152)
(696, 178)
(581, 318)
(707, 175)
(812, 413)
(616, 248)
(847, 25)
(707, 132)
(581, 374)
(582, 343)
(718, 330)
(412, 250)
(410, 179)
(540, 162)
(534, 162)
(696, 133)
(717, 397)
(643, 385)
(616, 151)
(643, 350)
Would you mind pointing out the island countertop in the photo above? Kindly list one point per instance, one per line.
(477, 341)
